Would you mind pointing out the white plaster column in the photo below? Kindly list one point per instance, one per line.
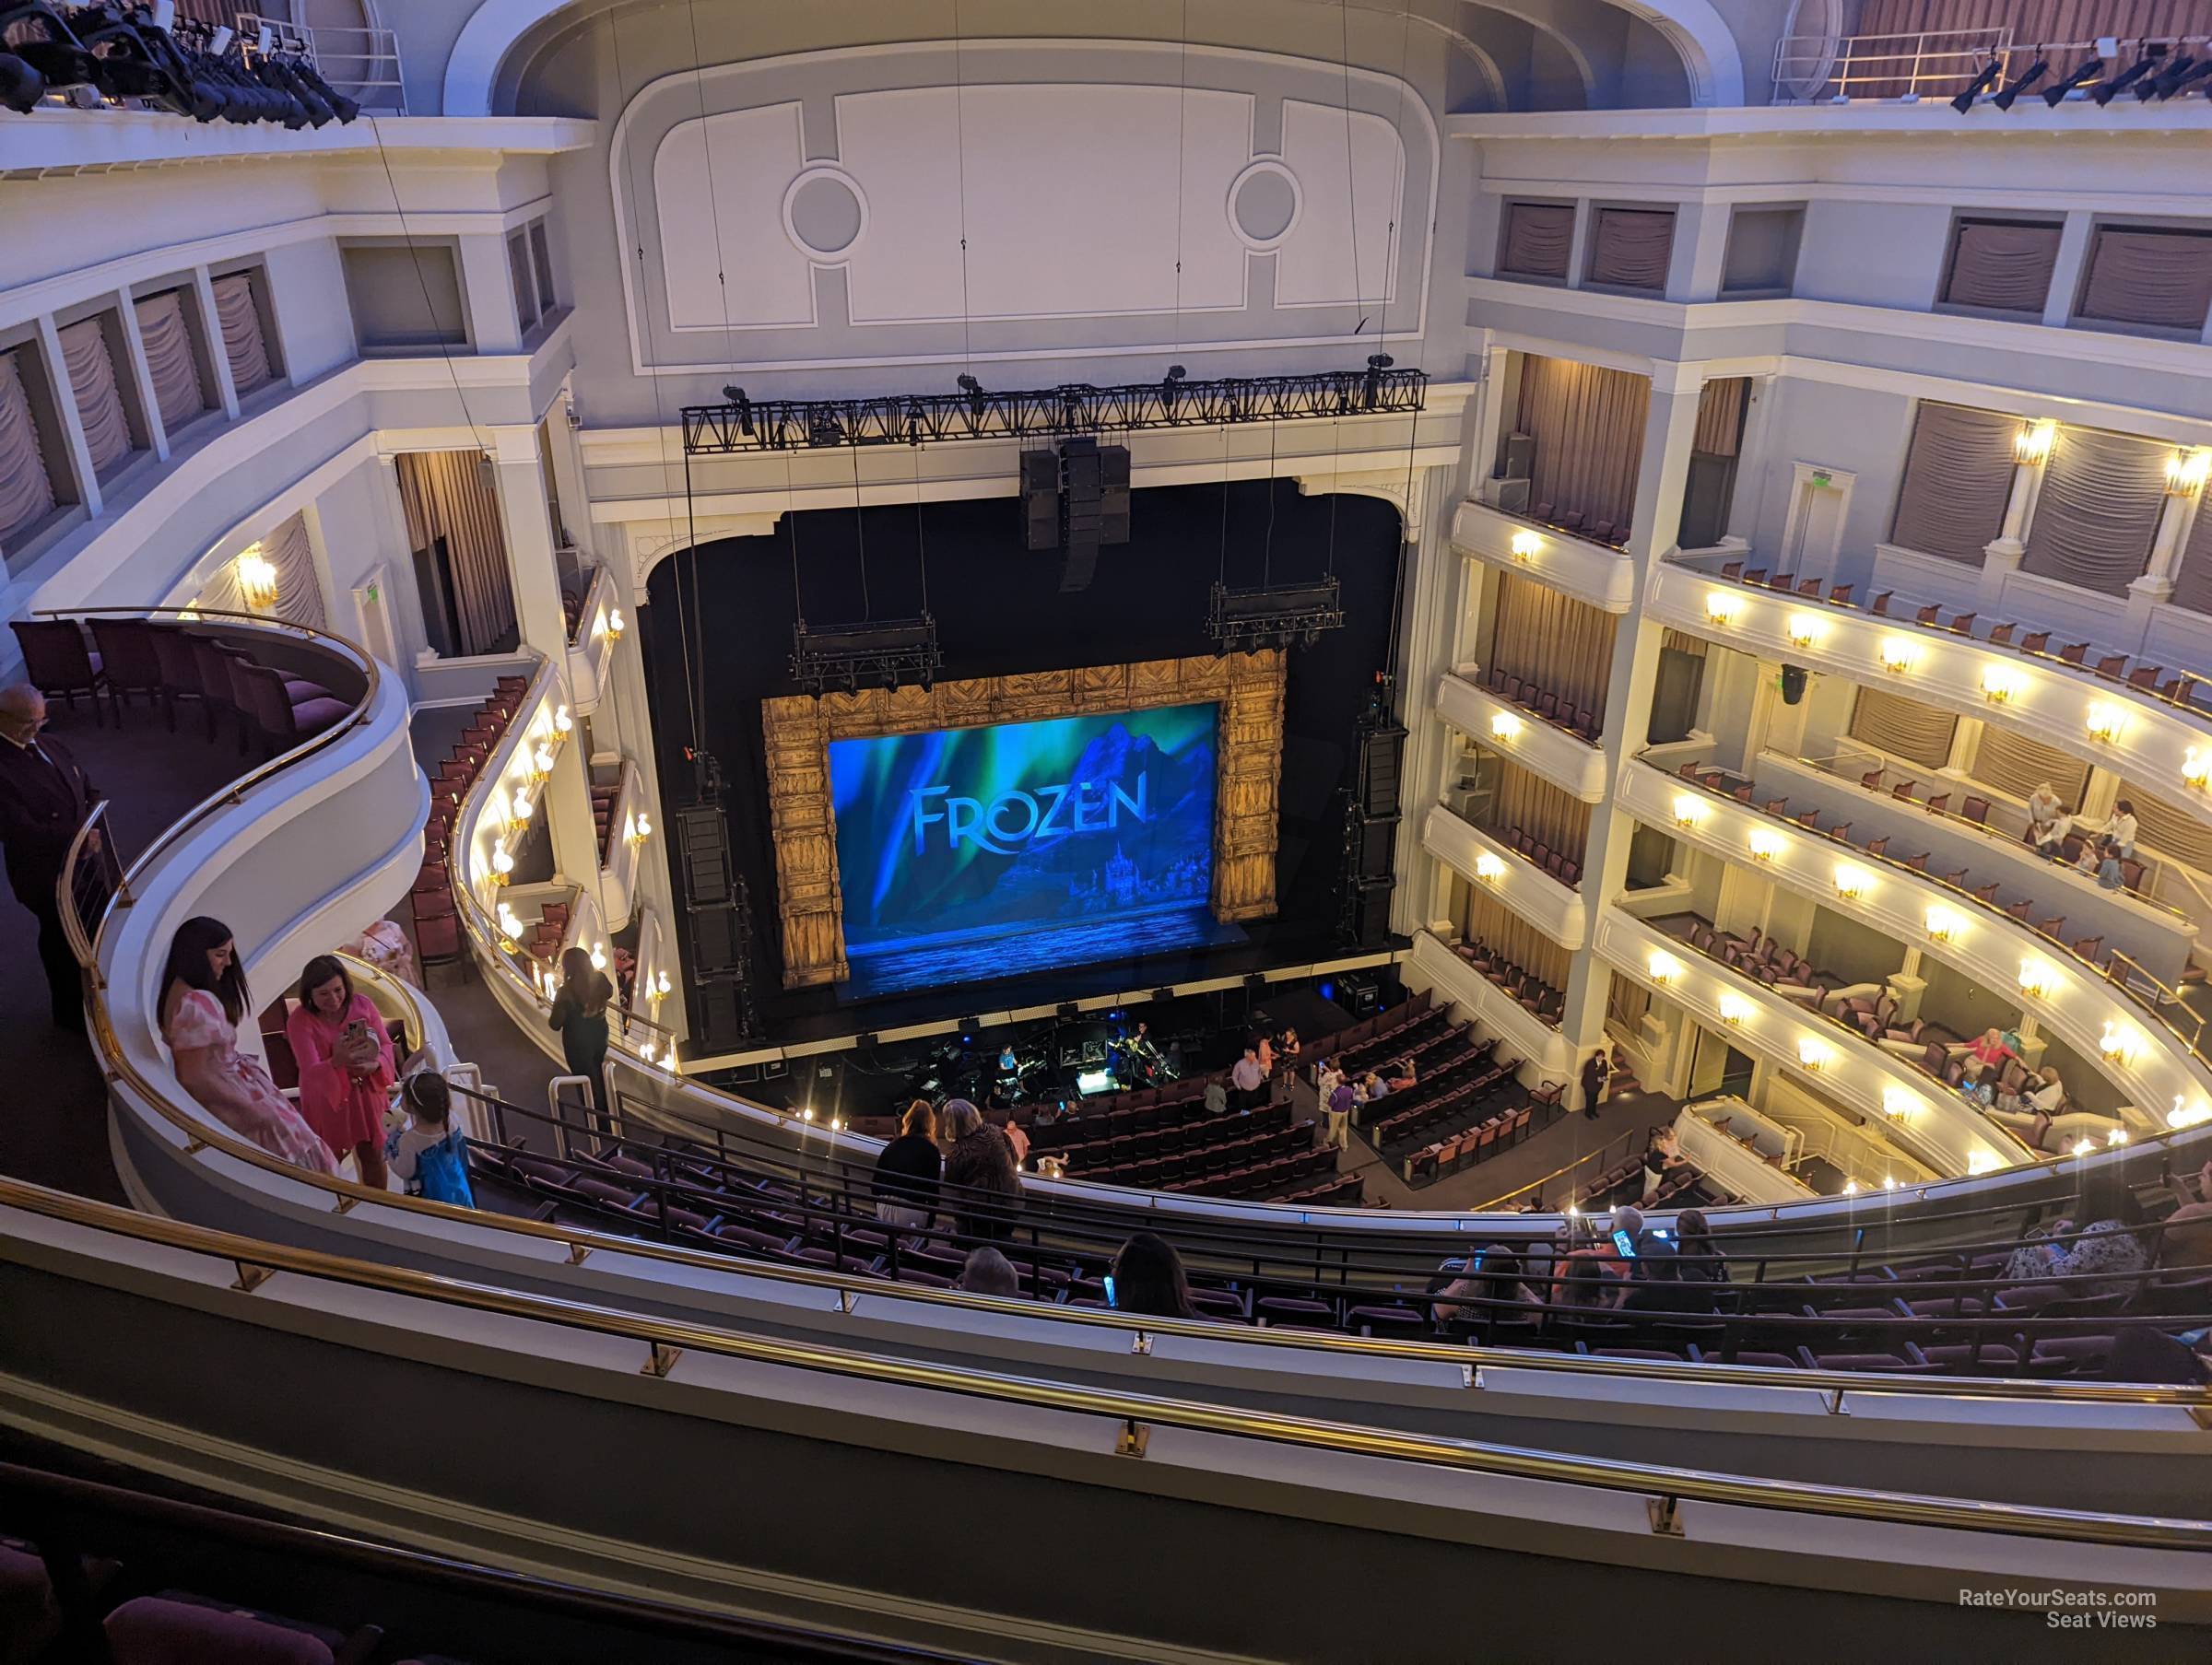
(1701, 249)
(2000, 554)
(218, 355)
(2155, 588)
(65, 409)
(487, 293)
(134, 350)
(531, 568)
(1578, 249)
(2065, 271)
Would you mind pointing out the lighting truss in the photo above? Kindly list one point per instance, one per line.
(748, 424)
(1278, 615)
(876, 653)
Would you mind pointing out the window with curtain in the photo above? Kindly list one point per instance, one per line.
(169, 359)
(2172, 832)
(2158, 277)
(1680, 687)
(1628, 247)
(1536, 241)
(238, 316)
(449, 502)
(26, 489)
(1904, 728)
(1524, 801)
(2016, 764)
(2001, 265)
(1547, 638)
(90, 367)
(1720, 404)
(1957, 481)
(1625, 1003)
(2098, 512)
(1588, 424)
(2193, 577)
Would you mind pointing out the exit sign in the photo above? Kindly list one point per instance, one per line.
(1822, 479)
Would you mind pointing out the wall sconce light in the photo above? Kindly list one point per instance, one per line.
(629, 830)
(1943, 925)
(2082, 1148)
(562, 721)
(2031, 445)
(1852, 883)
(637, 829)
(1850, 1188)
(2037, 977)
(1979, 1162)
(615, 626)
(510, 927)
(1899, 1103)
(1804, 629)
(256, 580)
(1765, 845)
(1735, 1008)
(2118, 1046)
(2178, 1117)
(2104, 721)
(1504, 725)
(1688, 812)
(2187, 471)
(645, 1051)
(1813, 1056)
(1898, 655)
(1663, 968)
(502, 864)
(2196, 769)
(1888, 1183)
(2001, 684)
(598, 956)
(1488, 867)
(522, 804)
(1721, 608)
(1526, 547)
(542, 758)
(659, 986)
(2118, 1136)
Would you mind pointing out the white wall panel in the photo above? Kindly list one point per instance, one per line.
(727, 175)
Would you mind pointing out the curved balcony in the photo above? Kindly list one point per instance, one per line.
(2142, 1047)
(1597, 573)
(1551, 905)
(1543, 747)
(2162, 745)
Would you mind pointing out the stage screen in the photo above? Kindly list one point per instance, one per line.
(968, 854)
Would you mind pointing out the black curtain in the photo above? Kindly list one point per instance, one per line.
(999, 610)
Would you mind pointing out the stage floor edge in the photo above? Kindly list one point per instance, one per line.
(990, 1017)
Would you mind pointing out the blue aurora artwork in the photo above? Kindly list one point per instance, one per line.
(966, 854)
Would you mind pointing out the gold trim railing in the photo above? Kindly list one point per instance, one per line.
(202, 1133)
(664, 1341)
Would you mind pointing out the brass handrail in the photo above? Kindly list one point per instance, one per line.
(665, 1340)
(2190, 1044)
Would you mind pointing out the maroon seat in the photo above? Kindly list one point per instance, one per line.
(29, 1615)
(284, 721)
(58, 662)
(129, 662)
(177, 1629)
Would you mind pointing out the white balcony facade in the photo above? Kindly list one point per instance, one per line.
(1552, 907)
(1575, 766)
(1591, 572)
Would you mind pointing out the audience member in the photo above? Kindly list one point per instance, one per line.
(987, 1271)
(44, 798)
(908, 1170)
(1697, 1255)
(2109, 875)
(1404, 1079)
(979, 1172)
(1289, 1046)
(1990, 1051)
(346, 1064)
(1372, 1087)
(2030, 1110)
(2100, 1248)
(1596, 1069)
(2120, 829)
(1216, 1097)
(1664, 1153)
(580, 1013)
(1337, 1111)
(204, 1000)
(1147, 1278)
(1493, 1276)
(430, 1156)
(1249, 1080)
(1264, 1049)
(2046, 820)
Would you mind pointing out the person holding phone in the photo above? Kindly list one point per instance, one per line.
(346, 1065)
(1148, 1277)
(580, 1014)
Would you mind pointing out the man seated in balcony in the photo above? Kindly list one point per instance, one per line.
(44, 798)
(2029, 1110)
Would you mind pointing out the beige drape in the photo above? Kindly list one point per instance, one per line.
(1507, 934)
(1957, 478)
(1903, 727)
(448, 494)
(1625, 1003)
(2192, 577)
(91, 372)
(1539, 238)
(240, 320)
(2169, 832)
(2148, 276)
(1628, 247)
(168, 360)
(1527, 802)
(2015, 765)
(26, 492)
(1680, 642)
(298, 585)
(1547, 636)
(1721, 416)
(2003, 264)
(2098, 509)
(1588, 423)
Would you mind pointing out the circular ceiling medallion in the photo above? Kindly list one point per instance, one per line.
(825, 213)
(1264, 204)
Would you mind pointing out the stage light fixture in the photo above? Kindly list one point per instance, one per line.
(2176, 69)
(21, 87)
(2080, 75)
(1277, 615)
(1977, 86)
(874, 653)
(2105, 92)
(2008, 95)
(2180, 80)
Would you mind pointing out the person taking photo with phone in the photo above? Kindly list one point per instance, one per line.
(346, 1065)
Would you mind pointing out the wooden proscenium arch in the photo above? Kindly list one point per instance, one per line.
(799, 728)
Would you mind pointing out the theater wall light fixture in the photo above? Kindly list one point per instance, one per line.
(1663, 968)
(1765, 845)
(2001, 684)
(1722, 608)
(1898, 655)
(2186, 472)
(1526, 547)
(1490, 869)
(2031, 445)
(2105, 722)
(1804, 629)
(1504, 725)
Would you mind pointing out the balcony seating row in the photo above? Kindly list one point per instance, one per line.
(1566, 869)
(437, 925)
(1789, 583)
(1572, 522)
(1579, 720)
(1539, 999)
(603, 819)
(1685, 1185)
(172, 663)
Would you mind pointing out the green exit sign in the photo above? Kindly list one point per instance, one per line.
(371, 593)
(1822, 479)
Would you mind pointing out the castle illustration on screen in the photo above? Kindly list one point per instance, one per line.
(966, 854)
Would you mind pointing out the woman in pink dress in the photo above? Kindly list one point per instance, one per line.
(345, 1068)
(204, 1000)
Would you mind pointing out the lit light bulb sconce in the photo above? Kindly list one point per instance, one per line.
(1735, 1008)
(1944, 926)
(1490, 869)
(1526, 547)
(1765, 846)
(1722, 608)
(614, 623)
(661, 986)
(2118, 1046)
(1504, 725)
(1690, 811)
(598, 956)
(562, 721)
(2001, 684)
(2038, 978)
(1852, 883)
(1813, 1056)
(2118, 1136)
(1978, 1162)
(1899, 1104)
(1663, 969)
(502, 864)
(1803, 630)
(2183, 1115)
(2197, 770)
(522, 804)
(2105, 722)
(257, 580)
(2031, 445)
(2186, 472)
(1898, 655)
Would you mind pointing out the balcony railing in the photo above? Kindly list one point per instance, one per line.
(1940, 63)
(363, 63)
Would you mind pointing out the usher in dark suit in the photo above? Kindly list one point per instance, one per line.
(44, 798)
